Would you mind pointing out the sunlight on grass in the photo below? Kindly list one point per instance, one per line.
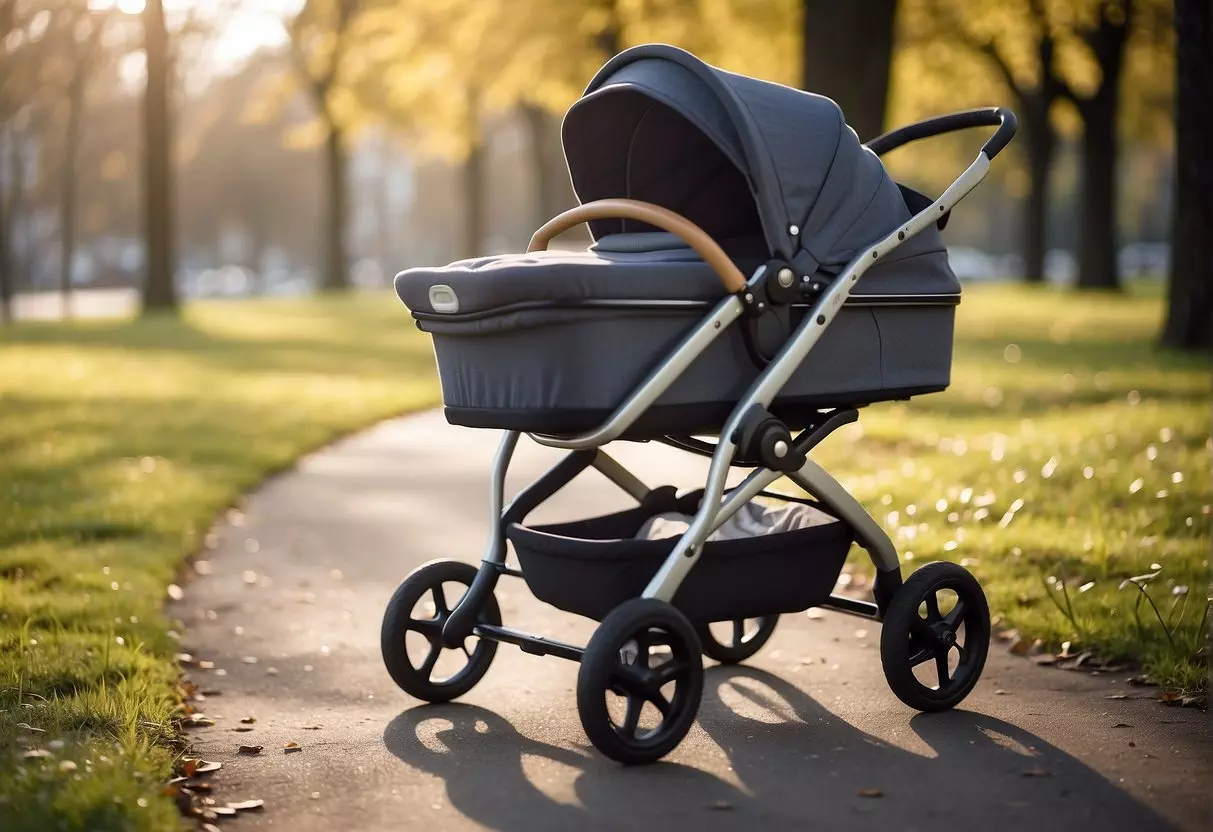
(121, 442)
(1068, 451)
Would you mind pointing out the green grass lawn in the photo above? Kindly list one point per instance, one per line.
(119, 444)
(1068, 448)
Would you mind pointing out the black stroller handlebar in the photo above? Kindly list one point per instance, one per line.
(983, 117)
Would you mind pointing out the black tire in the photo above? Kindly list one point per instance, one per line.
(909, 639)
(745, 642)
(398, 622)
(609, 667)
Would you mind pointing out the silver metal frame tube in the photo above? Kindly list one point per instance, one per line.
(614, 471)
(764, 389)
(495, 551)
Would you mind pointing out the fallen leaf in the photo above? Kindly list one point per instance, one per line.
(1122, 725)
(1000, 692)
(870, 792)
(248, 720)
(291, 746)
(206, 665)
(197, 721)
(197, 766)
(246, 805)
(249, 659)
(223, 811)
(25, 726)
(243, 728)
(1036, 771)
(212, 693)
(311, 727)
(1168, 697)
(1117, 696)
(37, 754)
(184, 658)
(209, 827)
(251, 749)
(1021, 647)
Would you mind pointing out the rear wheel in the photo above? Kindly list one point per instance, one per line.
(417, 659)
(637, 701)
(935, 637)
(731, 642)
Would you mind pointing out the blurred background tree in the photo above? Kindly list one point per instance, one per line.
(300, 144)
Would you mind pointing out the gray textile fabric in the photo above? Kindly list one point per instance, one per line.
(751, 520)
(733, 154)
(619, 267)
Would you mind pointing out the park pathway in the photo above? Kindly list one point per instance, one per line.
(806, 737)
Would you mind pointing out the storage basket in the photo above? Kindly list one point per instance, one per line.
(589, 567)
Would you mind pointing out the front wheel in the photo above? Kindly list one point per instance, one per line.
(414, 653)
(935, 637)
(636, 703)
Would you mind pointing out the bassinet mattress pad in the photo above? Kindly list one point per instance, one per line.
(627, 268)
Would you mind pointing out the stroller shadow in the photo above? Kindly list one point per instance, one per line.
(793, 765)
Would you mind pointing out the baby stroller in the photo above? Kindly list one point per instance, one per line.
(755, 276)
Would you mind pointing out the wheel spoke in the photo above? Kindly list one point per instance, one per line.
(923, 655)
(932, 607)
(941, 667)
(631, 719)
(668, 672)
(440, 608)
(660, 702)
(428, 627)
(738, 632)
(964, 654)
(955, 615)
(432, 659)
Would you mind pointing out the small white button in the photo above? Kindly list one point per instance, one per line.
(443, 299)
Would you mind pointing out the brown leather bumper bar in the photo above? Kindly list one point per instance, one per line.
(655, 215)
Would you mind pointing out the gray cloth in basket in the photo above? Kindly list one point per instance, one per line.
(752, 520)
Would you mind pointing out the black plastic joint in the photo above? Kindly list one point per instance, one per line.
(765, 438)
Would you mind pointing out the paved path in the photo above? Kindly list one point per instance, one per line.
(787, 743)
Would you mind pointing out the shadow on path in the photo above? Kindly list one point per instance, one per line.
(798, 766)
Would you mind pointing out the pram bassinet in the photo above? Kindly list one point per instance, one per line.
(552, 342)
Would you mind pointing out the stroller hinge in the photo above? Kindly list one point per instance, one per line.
(767, 439)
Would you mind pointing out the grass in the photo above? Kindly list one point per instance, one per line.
(119, 444)
(1069, 455)
(1068, 448)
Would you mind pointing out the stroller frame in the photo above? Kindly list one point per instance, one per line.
(716, 507)
(476, 613)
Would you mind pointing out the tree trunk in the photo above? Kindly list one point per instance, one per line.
(1097, 237)
(336, 263)
(160, 290)
(1042, 142)
(67, 206)
(1190, 297)
(473, 201)
(847, 51)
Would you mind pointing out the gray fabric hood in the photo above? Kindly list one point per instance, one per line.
(736, 155)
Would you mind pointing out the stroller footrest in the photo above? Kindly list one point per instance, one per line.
(535, 645)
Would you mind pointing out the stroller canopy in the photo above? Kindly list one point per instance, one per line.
(747, 160)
